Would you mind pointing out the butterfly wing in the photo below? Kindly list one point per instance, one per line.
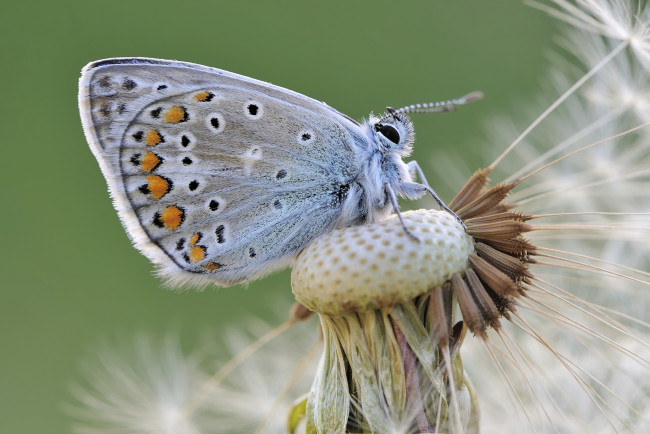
(218, 178)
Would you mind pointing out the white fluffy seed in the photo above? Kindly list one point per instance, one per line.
(377, 265)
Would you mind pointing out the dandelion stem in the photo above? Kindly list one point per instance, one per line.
(452, 388)
(414, 404)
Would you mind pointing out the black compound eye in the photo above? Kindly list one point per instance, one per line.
(388, 131)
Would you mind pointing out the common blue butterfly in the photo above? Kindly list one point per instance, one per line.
(220, 178)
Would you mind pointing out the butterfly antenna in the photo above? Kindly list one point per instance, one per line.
(434, 107)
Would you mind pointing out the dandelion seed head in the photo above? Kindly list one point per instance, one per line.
(377, 265)
(577, 358)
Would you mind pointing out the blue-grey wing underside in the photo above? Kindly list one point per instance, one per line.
(217, 177)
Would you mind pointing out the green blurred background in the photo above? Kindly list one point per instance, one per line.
(68, 273)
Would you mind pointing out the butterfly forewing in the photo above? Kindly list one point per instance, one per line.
(217, 177)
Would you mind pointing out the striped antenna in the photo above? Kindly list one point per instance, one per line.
(434, 107)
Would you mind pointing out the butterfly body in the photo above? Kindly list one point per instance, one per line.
(220, 178)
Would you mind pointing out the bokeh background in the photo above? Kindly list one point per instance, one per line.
(69, 277)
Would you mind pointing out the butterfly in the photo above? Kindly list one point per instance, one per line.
(220, 178)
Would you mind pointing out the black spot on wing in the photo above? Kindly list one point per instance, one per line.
(219, 233)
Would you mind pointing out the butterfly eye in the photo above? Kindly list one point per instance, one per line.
(388, 131)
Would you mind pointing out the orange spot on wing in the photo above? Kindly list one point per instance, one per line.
(152, 138)
(172, 217)
(149, 162)
(197, 253)
(195, 239)
(201, 96)
(175, 115)
(158, 186)
(211, 266)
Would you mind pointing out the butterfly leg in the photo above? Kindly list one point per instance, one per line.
(393, 201)
(414, 168)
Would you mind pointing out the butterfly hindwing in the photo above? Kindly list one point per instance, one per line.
(217, 177)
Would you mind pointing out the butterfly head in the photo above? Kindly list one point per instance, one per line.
(393, 132)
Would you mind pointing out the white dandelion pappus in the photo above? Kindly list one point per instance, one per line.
(578, 359)
(151, 386)
(220, 178)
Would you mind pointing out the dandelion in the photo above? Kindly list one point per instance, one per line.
(542, 280)
(547, 277)
(152, 386)
(381, 338)
(139, 394)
